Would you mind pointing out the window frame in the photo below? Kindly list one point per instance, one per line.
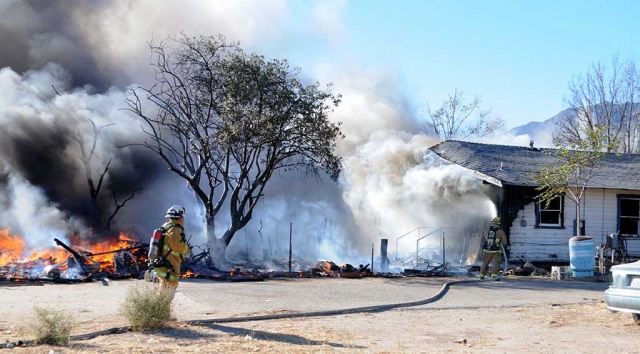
(622, 197)
(539, 210)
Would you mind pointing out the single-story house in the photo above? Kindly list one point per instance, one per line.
(541, 233)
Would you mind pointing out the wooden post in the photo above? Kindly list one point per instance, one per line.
(601, 260)
(372, 245)
(270, 248)
(443, 248)
(418, 246)
(290, 245)
(246, 244)
(384, 260)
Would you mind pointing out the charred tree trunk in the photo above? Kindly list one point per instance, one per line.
(217, 247)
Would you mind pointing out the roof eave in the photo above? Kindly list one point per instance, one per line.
(486, 178)
(474, 173)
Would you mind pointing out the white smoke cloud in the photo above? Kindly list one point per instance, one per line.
(26, 94)
(128, 28)
(393, 184)
(371, 102)
(327, 19)
(29, 213)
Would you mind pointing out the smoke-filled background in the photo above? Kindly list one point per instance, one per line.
(65, 66)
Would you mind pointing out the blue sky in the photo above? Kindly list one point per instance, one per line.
(518, 56)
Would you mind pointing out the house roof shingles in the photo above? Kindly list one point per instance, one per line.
(520, 163)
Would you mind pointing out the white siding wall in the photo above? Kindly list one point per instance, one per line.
(599, 210)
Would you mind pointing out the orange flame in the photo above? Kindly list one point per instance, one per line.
(11, 247)
(189, 274)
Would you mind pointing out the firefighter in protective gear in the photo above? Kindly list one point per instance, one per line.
(174, 251)
(491, 251)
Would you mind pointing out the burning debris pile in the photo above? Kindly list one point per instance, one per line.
(120, 258)
(126, 257)
(78, 261)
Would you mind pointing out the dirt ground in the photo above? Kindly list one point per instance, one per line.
(577, 325)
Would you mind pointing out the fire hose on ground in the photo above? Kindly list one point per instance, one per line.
(363, 309)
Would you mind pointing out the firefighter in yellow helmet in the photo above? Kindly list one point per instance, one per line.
(175, 249)
(491, 251)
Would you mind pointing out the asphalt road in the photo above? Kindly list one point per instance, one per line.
(201, 299)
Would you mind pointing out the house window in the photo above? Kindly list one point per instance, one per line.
(629, 215)
(551, 215)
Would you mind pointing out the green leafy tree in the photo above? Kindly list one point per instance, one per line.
(226, 121)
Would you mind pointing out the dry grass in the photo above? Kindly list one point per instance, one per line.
(146, 307)
(231, 339)
(51, 326)
(569, 315)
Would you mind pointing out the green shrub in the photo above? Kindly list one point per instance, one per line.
(52, 326)
(147, 307)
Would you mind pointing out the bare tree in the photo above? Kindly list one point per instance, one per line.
(98, 220)
(453, 119)
(606, 97)
(87, 152)
(631, 90)
(86, 157)
(226, 121)
(118, 206)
